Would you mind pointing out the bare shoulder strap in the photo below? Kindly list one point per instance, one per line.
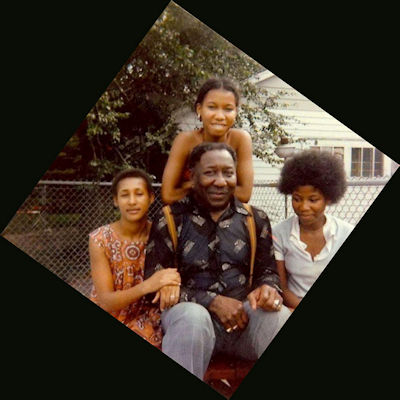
(171, 226)
(251, 226)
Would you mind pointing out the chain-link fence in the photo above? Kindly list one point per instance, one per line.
(53, 223)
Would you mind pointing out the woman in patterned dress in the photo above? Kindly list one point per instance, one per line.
(117, 254)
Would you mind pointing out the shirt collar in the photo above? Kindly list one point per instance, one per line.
(329, 228)
(189, 204)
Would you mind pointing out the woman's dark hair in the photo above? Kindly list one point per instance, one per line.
(217, 83)
(322, 170)
(202, 148)
(131, 173)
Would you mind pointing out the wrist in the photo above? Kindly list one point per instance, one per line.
(214, 303)
(146, 287)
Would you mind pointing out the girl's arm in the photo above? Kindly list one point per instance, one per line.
(245, 172)
(171, 190)
(111, 300)
(289, 298)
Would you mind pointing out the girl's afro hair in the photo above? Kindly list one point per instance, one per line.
(322, 170)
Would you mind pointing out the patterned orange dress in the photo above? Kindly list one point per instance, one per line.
(127, 265)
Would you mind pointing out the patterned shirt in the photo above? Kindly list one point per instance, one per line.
(213, 258)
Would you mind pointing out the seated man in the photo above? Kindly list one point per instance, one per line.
(217, 311)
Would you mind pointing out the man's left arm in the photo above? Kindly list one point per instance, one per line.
(160, 255)
(266, 283)
(159, 250)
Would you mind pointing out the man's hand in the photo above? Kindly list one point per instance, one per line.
(265, 297)
(230, 312)
(168, 296)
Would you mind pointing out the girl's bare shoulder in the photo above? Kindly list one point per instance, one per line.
(239, 136)
(240, 133)
(188, 139)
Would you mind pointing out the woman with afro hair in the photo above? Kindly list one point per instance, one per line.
(307, 241)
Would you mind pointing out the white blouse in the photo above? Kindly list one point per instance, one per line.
(302, 270)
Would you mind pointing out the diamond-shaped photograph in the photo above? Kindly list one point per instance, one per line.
(200, 199)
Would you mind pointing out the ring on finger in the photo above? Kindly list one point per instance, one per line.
(229, 330)
(235, 327)
(277, 303)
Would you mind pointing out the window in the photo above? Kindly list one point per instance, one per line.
(366, 162)
(337, 151)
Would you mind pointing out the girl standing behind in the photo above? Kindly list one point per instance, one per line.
(217, 107)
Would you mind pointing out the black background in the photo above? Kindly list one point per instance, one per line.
(57, 62)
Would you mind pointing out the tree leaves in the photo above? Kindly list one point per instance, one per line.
(135, 118)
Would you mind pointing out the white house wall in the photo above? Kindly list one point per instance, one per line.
(314, 123)
(311, 123)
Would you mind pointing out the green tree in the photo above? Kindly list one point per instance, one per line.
(104, 134)
(134, 121)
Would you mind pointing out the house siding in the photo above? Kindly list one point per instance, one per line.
(312, 124)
